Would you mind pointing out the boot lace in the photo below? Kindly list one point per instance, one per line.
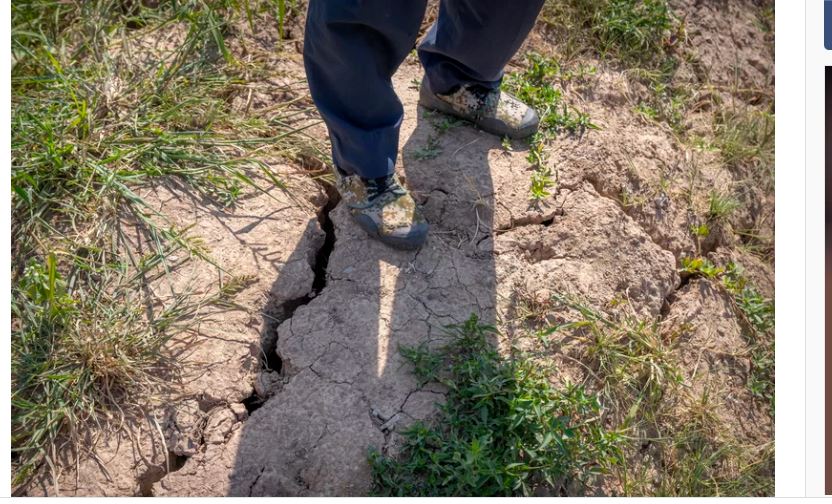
(378, 187)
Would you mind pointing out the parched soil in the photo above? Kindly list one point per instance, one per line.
(285, 390)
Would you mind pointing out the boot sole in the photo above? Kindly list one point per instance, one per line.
(411, 243)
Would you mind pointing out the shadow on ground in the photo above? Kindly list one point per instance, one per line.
(343, 386)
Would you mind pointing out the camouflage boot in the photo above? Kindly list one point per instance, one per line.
(384, 209)
(492, 110)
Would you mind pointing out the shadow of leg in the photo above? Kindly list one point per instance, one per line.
(454, 276)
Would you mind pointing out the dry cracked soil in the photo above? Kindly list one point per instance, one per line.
(284, 391)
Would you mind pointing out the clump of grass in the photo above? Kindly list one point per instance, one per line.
(696, 462)
(634, 31)
(746, 140)
(632, 366)
(85, 350)
(504, 429)
(643, 36)
(530, 307)
(721, 206)
(666, 102)
(633, 28)
(758, 313)
(630, 358)
(89, 126)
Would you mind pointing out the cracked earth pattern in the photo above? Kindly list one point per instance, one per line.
(339, 385)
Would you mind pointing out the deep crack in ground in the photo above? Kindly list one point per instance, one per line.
(323, 253)
(270, 360)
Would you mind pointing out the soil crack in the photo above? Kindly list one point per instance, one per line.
(156, 473)
(271, 360)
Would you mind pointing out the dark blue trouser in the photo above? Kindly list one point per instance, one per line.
(353, 47)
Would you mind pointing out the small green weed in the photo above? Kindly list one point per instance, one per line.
(647, 111)
(426, 363)
(629, 200)
(700, 230)
(702, 144)
(701, 267)
(531, 307)
(504, 429)
(445, 123)
(536, 87)
(543, 178)
(430, 150)
(667, 103)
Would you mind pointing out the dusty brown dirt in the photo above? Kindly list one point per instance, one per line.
(733, 46)
(236, 428)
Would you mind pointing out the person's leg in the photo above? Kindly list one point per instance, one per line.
(473, 40)
(351, 50)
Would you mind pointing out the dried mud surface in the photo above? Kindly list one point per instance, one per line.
(284, 392)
